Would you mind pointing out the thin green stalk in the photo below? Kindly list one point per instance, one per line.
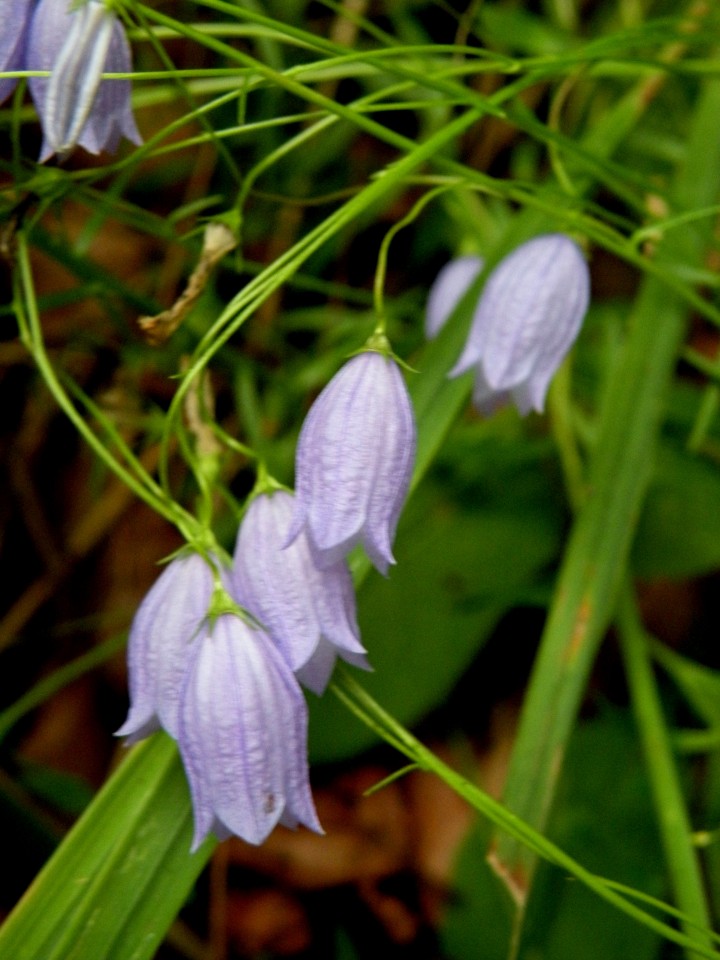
(367, 709)
(245, 304)
(31, 335)
(670, 806)
(379, 282)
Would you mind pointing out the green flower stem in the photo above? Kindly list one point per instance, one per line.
(379, 281)
(258, 289)
(618, 474)
(365, 708)
(675, 828)
(31, 335)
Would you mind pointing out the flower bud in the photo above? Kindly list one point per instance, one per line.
(308, 612)
(528, 316)
(448, 290)
(354, 462)
(243, 735)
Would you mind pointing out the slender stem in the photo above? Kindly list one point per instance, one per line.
(371, 713)
(380, 271)
(31, 335)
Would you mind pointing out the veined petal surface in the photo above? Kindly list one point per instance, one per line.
(13, 37)
(243, 735)
(354, 462)
(77, 45)
(165, 626)
(300, 604)
(527, 318)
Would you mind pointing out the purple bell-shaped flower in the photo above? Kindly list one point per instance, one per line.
(77, 45)
(309, 612)
(13, 35)
(165, 626)
(243, 735)
(354, 462)
(528, 316)
(447, 291)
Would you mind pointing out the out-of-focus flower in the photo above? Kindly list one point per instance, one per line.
(243, 735)
(13, 34)
(77, 45)
(354, 462)
(447, 291)
(309, 612)
(528, 316)
(166, 625)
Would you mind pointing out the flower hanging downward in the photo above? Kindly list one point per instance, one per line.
(243, 735)
(13, 33)
(448, 290)
(165, 626)
(354, 462)
(527, 318)
(77, 45)
(309, 612)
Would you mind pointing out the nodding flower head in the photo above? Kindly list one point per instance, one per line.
(354, 462)
(447, 291)
(13, 37)
(76, 107)
(243, 735)
(528, 316)
(163, 631)
(308, 612)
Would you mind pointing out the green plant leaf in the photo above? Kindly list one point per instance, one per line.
(116, 883)
(679, 530)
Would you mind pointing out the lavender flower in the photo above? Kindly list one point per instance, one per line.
(528, 317)
(448, 290)
(15, 20)
(354, 462)
(75, 106)
(243, 735)
(308, 612)
(165, 627)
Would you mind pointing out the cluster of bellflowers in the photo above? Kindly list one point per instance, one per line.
(218, 654)
(526, 319)
(76, 43)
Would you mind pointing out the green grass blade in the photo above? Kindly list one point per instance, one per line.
(116, 883)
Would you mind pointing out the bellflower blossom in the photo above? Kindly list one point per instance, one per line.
(354, 462)
(447, 291)
(528, 316)
(309, 612)
(13, 34)
(243, 735)
(77, 45)
(165, 626)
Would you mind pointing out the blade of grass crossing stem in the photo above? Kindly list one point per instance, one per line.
(618, 474)
(673, 820)
(101, 895)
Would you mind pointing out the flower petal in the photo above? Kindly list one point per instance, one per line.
(448, 289)
(354, 462)
(13, 35)
(165, 625)
(299, 604)
(243, 735)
